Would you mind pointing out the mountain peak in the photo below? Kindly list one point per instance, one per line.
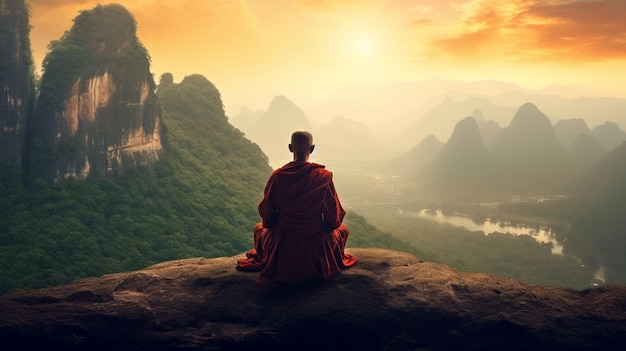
(609, 134)
(420, 156)
(465, 132)
(530, 152)
(108, 28)
(274, 127)
(96, 114)
(464, 167)
(282, 105)
(528, 118)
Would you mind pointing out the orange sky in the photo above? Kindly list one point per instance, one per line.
(256, 49)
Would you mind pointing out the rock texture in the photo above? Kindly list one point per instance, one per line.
(97, 113)
(17, 85)
(389, 301)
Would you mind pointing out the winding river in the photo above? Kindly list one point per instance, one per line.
(540, 234)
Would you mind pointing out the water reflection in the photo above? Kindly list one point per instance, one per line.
(540, 234)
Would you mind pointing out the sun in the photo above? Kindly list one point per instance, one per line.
(363, 46)
(361, 50)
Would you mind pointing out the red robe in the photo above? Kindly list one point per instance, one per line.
(301, 237)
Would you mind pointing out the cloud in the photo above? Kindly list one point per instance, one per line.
(587, 30)
(538, 30)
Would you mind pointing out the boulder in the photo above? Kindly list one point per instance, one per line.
(389, 301)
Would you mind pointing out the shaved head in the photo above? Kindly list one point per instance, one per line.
(301, 137)
(301, 145)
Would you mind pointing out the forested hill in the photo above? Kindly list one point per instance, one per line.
(96, 113)
(213, 165)
(199, 201)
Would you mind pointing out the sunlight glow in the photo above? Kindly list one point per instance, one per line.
(253, 50)
(363, 46)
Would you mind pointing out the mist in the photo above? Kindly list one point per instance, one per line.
(366, 132)
(356, 74)
(503, 157)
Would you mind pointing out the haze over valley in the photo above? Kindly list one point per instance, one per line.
(124, 145)
(578, 133)
(484, 168)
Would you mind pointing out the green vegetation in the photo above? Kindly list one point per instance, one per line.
(101, 38)
(597, 235)
(199, 200)
(364, 235)
(591, 226)
(517, 257)
(102, 41)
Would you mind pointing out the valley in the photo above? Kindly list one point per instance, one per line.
(104, 171)
(501, 238)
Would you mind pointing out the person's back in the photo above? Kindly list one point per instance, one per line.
(301, 237)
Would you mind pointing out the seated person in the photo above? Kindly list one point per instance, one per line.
(301, 237)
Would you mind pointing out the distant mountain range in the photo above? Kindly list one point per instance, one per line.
(187, 181)
(399, 113)
(342, 141)
(526, 152)
(495, 151)
(527, 156)
(440, 119)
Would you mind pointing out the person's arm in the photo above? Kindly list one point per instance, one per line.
(332, 210)
(267, 211)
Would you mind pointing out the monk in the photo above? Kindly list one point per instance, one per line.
(302, 237)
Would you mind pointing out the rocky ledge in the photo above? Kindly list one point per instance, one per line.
(389, 301)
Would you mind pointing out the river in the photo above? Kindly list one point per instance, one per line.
(540, 234)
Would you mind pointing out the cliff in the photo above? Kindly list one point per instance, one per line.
(97, 112)
(16, 79)
(389, 300)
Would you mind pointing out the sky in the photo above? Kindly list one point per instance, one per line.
(256, 49)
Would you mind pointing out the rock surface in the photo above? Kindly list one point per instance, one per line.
(388, 301)
(97, 113)
(17, 83)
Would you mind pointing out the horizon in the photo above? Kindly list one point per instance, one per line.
(210, 162)
(307, 49)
